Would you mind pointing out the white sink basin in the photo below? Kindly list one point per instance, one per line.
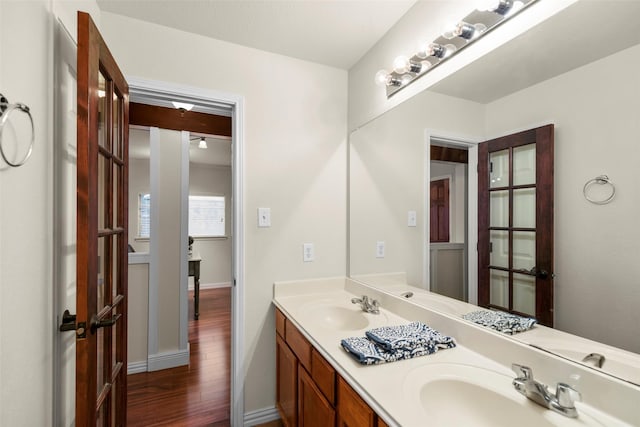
(463, 395)
(344, 318)
(619, 363)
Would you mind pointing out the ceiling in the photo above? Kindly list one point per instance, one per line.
(581, 33)
(331, 32)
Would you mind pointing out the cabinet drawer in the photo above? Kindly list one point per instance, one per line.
(352, 410)
(323, 375)
(299, 344)
(280, 320)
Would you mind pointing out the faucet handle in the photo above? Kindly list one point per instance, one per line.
(522, 371)
(567, 395)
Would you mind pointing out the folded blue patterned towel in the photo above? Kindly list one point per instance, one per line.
(500, 321)
(392, 343)
(367, 352)
(408, 337)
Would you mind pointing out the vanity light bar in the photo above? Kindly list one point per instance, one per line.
(488, 16)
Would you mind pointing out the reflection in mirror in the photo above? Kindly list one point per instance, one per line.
(584, 82)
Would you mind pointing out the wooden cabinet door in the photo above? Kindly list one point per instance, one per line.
(352, 410)
(286, 383)
(313, 409)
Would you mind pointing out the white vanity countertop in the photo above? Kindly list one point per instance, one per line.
(620, 363)
(398, 391)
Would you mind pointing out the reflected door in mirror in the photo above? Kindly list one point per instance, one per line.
(439, 218)
(515, 223)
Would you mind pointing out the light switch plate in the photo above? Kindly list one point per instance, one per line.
(412, 219)
(308, 252)
(380, 247)
(264, 217)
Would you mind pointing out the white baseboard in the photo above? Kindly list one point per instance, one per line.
(261, 416)
(136, 367)
(157, 362)
(211, 285)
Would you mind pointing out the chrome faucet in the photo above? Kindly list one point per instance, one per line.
(562, 402)
(367, 304)
(596, 358)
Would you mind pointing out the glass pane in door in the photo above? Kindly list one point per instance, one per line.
(524, 294)
(100, 366)
(115, 270)
(499, 288)
(499, 254)
(115, 206)
(524, 165)
(524, 208)
(102, 110)
(102, 285)
(524, 250)
(103, 163)
(114, 342)
(499, 208)
(117, 127)
(499, 169)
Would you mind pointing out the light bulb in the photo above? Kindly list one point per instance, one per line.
(468, 31)
(203, 143)
(382, 77)
(501, 7)
(401, 64)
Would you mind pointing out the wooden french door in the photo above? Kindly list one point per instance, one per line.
(102, 195)
(515, 224)
(439, 207)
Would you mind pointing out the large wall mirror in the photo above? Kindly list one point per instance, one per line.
(580, 71)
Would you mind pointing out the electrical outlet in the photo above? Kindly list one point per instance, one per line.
(308, 252)
(264, 217)
(412, 219)
(379, 249)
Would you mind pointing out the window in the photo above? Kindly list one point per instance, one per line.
(144, 216)
(206, 216)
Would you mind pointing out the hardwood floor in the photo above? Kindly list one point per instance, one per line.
(194, 395)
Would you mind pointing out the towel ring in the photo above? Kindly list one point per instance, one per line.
(5, 111)
(600, 180)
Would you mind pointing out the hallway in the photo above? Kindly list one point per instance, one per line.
(194, 395)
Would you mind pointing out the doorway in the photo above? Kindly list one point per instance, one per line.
(154, 93)
(452, 158)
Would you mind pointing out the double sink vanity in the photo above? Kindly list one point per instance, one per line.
(488, 379)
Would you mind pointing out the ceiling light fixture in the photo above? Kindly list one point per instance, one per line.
(183, 106)
(488, 15)
(202, 142)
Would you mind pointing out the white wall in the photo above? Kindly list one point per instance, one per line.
(26, 212)
(138, 321)
(295, 162)
(595, 109)
(387, 179)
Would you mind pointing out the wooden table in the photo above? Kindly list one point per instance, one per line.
(194, 270)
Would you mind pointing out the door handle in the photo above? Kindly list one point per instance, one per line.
(535, 271)
(97, 324)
